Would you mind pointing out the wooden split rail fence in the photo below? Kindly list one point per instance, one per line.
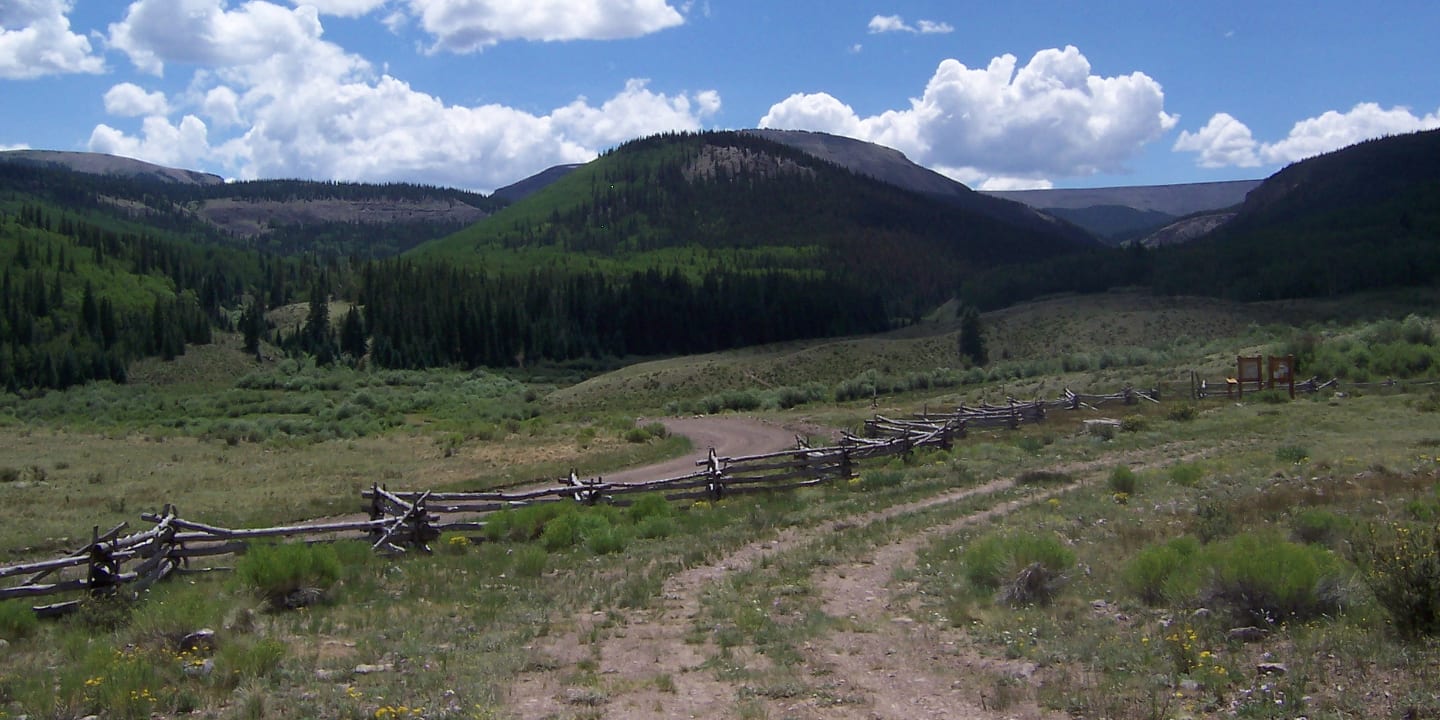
(398, 520)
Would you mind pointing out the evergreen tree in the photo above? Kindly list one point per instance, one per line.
(972, 339)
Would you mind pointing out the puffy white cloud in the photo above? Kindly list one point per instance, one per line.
(1223, 142)
(889, 23)
(464, 26)
(1051, 117)
(1333, 130)
(21, 146)
(222, 106)
(204, 32)
(35, 40)
(632, 113)
(895, 23)
(160, 142)
(342, 8)
(996, 184)
(131, 100)
(1227, 142)
(280, 101)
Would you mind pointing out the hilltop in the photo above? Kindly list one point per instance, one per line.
(701, 202)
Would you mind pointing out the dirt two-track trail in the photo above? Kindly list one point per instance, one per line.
(886, 663)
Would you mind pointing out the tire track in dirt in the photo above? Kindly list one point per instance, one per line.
(652, 670)
(653, 643)
(914, 670)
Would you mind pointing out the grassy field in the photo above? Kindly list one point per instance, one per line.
(1143, 552)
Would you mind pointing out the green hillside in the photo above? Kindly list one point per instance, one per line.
(1363, 218)
(734, 202)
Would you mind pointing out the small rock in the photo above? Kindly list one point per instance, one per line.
(1247, 634)
(200, 669)
(1201, 613)
(4, 643)
(1271, 668)
(202, 640)
(902, 620)
(1189, 685)
(324, 675)
(372, 669)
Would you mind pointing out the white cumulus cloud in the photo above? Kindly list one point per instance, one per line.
(464, 26)
(35, 40)
(1051, 117)
(1223, 142)
(895, 23)
(159, 142)
(342, 8)
(1228, 142)
(272, 98)
(204, 32)
(131, 100)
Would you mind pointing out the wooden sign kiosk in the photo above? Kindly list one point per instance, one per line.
(1259, 372)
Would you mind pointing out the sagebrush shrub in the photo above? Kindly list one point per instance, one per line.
(1152, 573)
(995, 560)
(1319, 527)
(1261, 578)
(1123, 480)
(1401, 566)
(279, 572)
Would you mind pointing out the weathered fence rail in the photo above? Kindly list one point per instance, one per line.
(401, 520)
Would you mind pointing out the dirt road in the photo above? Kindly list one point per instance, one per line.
(729, 435)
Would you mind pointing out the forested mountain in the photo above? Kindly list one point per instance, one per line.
(84, 293)
(285, 217)
(1364, 217)
(737, 203)
(1361, 218)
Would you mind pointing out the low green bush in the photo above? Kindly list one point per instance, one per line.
(1186, 475)
(1123, 480)
(1400, 564)
(1293, 454)
(1183, 413)
(281, 573)
(1260, 578)
(1319, 527)
(1134, 423)
(993, 560)
(1153, 572)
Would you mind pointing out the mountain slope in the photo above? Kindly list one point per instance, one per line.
(1174, 200)
(110, 165)
(701, 202)
(1363, 217)
(286, 217)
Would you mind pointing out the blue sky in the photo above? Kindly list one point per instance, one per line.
(480, 93)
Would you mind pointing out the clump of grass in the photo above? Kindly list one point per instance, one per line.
(1123, 480)
(1029, 567)
(1293, 454)
(1182, 413)
(17, 620)
(289, 575)
(1186, 475)
(530, 561)
(1134, 423)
